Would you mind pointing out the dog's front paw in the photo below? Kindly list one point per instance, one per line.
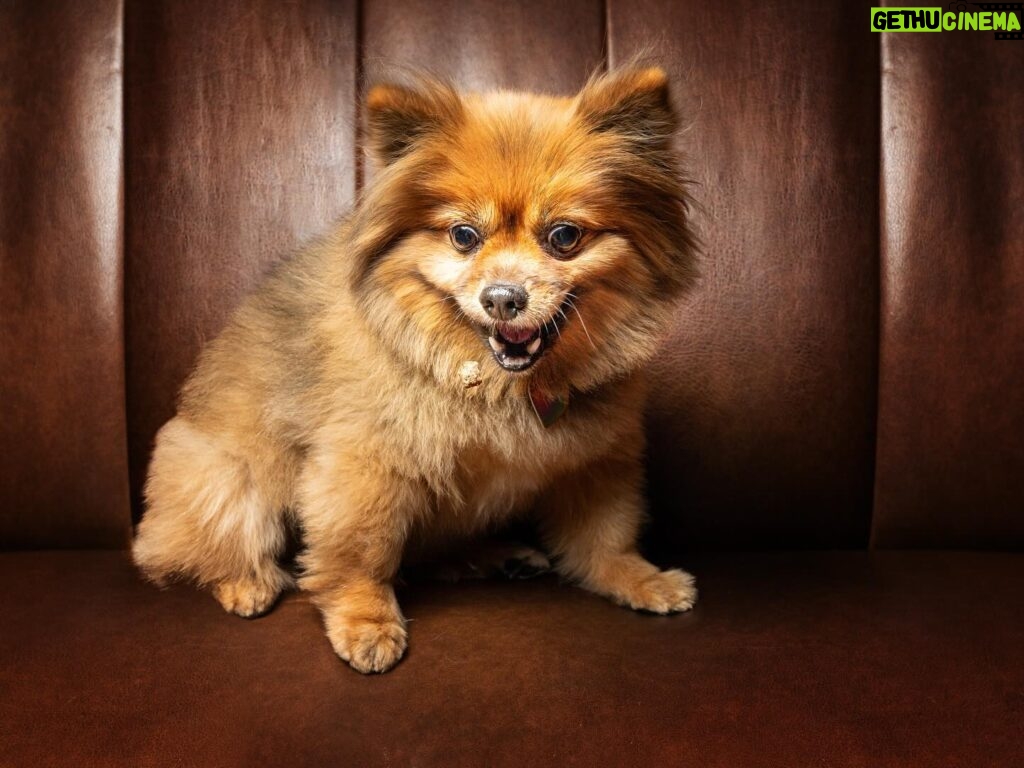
(247, 598)
(663, 592)
(368, 645)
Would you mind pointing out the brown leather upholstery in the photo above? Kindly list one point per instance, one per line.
(951, 391)
(763, 422)
(63, 461)
(239, 146)
(842, 659)
(240, 143)
(848, 374)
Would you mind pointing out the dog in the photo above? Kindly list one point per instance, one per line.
(467, 348)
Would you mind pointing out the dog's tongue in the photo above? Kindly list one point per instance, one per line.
(517, 335)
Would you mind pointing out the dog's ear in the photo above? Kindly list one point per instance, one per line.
(632, 102)
(399, 116)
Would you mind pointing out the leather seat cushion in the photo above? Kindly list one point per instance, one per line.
(839, 659)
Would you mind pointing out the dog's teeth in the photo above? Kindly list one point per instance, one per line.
(533, 346)
(496, 345)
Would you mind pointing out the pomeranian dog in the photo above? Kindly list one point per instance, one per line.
(467, 347)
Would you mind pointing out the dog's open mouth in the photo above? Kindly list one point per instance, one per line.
(516, 349)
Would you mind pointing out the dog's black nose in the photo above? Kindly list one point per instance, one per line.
(503, 301)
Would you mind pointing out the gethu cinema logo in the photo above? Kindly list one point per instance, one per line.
(935, 20)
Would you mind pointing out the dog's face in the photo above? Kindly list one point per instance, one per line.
(544, 236)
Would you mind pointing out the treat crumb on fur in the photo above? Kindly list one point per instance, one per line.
(470, 374)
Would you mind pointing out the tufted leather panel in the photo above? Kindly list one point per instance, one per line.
(240, 133)
(240, 142)
(63, 478)
(763, 412)
(951, 407)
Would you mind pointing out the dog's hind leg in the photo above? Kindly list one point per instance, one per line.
(483, 559)
(209, 520)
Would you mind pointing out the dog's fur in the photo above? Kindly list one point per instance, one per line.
(334, 395)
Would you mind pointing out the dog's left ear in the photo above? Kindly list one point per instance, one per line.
(633, 102)
(400, 116)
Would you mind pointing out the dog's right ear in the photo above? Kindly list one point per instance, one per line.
(632, 101)
(399, 116)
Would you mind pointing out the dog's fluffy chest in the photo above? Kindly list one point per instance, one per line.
(497, 461)
(481, 487)
(488, 483)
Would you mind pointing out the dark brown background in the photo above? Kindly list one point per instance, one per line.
(848, 373)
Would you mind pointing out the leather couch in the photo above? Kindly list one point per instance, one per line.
(836, 431)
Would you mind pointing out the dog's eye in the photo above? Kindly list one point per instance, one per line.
(464, 237)
(564, 237)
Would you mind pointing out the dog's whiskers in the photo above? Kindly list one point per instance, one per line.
(555, 323)
(580, 316)
(458, 307)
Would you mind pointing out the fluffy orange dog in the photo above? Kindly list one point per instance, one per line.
(389, 388)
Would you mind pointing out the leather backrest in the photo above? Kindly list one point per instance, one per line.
(817, 322)
(951, 391)
(63, 461)
(240, 145)
(762, 423)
